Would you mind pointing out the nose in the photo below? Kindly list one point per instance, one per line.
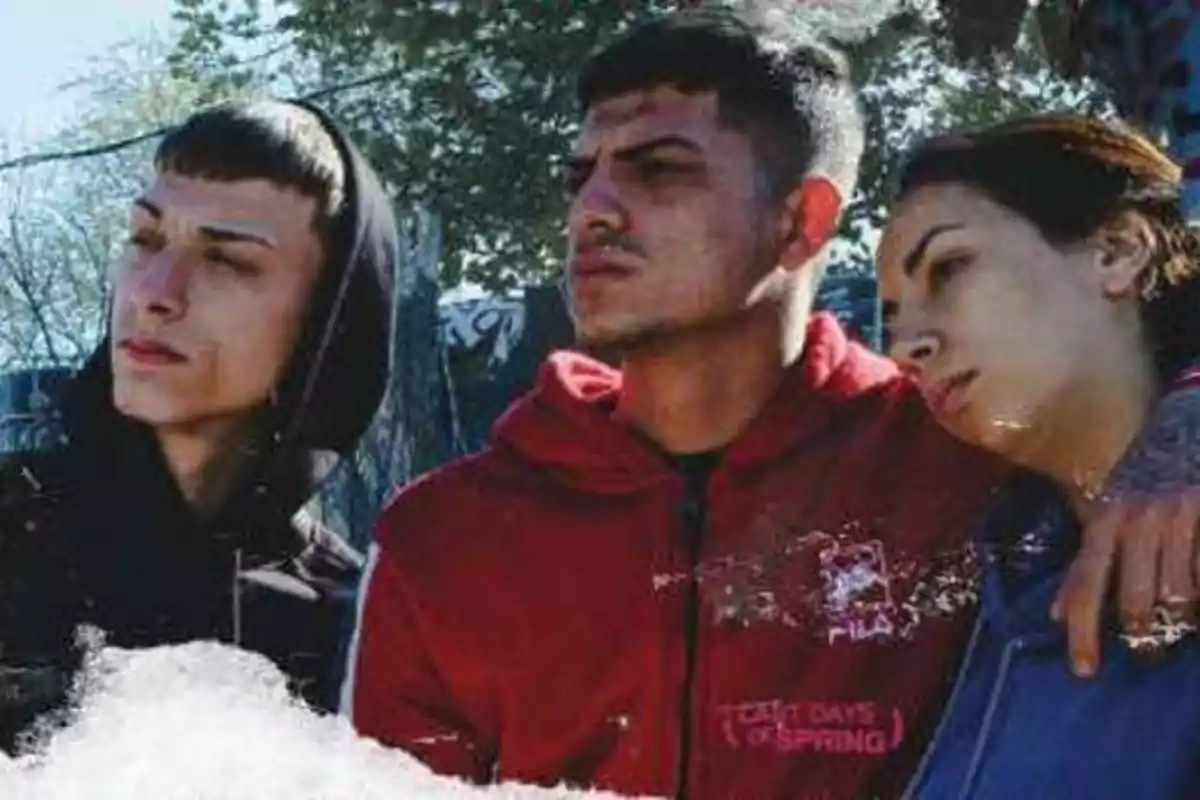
(159, 287)
(913, 351)
(597, 206)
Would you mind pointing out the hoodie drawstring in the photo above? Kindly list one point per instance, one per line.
(237, 597)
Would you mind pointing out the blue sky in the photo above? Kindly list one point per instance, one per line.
(45, 43)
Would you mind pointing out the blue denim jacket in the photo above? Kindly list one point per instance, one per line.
(1019, 725)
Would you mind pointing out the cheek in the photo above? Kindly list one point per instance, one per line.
(707, 251)
(255, 335)
(1000, 330)
(1023, 370)
(1008, 324)
(120, 307)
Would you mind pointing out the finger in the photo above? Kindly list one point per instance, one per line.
(1085, 588)
(1073, 579)
(1139, 547)
(1177, 584)
(1069, 586)
(1195, 561)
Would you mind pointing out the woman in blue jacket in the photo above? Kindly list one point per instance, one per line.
(1043, 287)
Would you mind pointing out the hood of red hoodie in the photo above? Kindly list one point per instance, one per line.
(567, 424)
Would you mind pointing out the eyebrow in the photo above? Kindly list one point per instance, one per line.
(913, 259)
(148, 207)
(638, 150)
(213, 232)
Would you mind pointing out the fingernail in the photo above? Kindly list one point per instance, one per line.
(1085, 667)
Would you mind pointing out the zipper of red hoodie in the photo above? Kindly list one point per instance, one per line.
(693, 522)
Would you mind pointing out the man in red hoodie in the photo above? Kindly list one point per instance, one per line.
(737, 567)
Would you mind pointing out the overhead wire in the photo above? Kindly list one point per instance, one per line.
(34, 159)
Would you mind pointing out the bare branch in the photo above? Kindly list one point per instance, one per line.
(21, 269)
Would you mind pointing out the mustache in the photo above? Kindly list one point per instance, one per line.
(612, 241)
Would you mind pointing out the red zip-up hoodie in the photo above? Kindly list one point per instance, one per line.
(568, 606)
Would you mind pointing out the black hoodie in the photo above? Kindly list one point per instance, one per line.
(98, 532)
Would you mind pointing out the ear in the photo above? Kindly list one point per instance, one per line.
(807, 221)
(1126, 248)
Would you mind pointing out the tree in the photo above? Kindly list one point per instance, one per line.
(462, 111)
(471, 113)
(917, 80)
(466, 108)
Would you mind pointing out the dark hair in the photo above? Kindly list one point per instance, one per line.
(790, 94)
(1072, 177)
(271, 140)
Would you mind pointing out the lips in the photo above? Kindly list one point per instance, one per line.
(150, 351)
(947, 396)
(599, 265)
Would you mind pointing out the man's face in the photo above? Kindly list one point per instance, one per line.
(667, 226)
(210, 298)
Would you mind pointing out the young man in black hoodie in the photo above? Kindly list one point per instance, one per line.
(247, 349)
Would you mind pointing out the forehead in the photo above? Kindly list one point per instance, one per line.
(927, 208)
(935, 206)
(257, 203)
(637, 116)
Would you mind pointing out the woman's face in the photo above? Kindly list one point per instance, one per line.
(996, 324)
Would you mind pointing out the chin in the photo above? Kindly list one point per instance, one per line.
(144, 404)
(616, 337)
(998, 433)
(154, 416)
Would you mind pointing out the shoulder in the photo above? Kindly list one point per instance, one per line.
(889, 415)
(33, 501)
(30, 476)
(460, 515)
(873, 394)
(885, 434)
(451, 492)
(1026, 503)
(36, 481)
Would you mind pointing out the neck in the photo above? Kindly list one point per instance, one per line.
(207, 460)
(1090, 434)
(695, 391)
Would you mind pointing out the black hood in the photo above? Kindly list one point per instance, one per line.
(340, 372)
(325, 402)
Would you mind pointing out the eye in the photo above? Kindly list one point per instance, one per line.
(216, 255)
(143, 241)
(651, 169)
(574, 178)
(888, 310)
(942, 270)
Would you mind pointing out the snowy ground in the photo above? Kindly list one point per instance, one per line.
(206, 722)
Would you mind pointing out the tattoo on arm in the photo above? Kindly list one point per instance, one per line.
(1166, 454)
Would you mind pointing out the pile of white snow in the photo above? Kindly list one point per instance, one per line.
(203, 721)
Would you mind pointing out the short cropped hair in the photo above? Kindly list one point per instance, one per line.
(789, 92)
(270, 140)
